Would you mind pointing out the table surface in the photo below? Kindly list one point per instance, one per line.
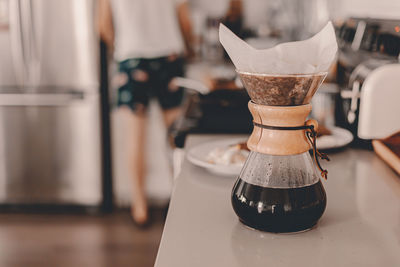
(360, 227)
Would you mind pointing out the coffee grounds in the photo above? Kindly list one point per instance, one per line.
(290, 90)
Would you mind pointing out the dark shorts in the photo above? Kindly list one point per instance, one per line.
(141, 80)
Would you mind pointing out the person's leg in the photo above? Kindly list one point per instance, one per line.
(170, 95)
(170, 115)
(139, 210)
(133, 100)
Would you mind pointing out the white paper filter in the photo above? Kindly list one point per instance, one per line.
(303, 57)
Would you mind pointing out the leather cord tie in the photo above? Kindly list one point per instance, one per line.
(312, 137)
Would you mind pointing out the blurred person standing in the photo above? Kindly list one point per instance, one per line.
(149, 39)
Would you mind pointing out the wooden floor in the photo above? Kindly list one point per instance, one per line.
(77, 240)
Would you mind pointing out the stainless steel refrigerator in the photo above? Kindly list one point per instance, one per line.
(50, 132)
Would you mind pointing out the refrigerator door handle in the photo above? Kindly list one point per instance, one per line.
(32, 62)
(39, 99)
(16, 39)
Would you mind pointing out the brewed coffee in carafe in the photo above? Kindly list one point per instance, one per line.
(279, 189)
(279, 193)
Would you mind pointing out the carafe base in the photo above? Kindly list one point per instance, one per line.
(281, 233)
(279, 210)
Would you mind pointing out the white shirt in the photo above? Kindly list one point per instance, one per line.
(146, 28)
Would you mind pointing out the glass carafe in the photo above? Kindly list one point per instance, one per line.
(279, 189)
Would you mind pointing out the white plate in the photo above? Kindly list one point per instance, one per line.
(339, 138)
(198, 156)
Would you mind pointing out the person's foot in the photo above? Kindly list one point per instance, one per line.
(140, 213)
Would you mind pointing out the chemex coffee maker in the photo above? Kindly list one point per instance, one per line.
(279, 189)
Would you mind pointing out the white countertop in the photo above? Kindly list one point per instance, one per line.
(360, 227)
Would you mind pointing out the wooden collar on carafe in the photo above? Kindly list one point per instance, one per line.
(281, 130)
(280, 142)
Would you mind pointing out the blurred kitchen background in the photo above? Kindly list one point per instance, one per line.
(63, 140)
